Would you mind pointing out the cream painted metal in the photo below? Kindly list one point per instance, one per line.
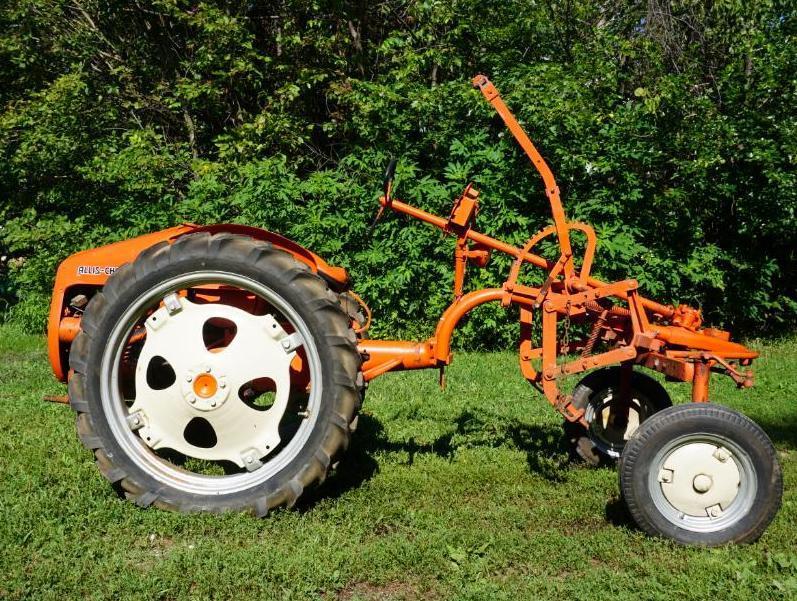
(700, 479)
(260, 349)
(702, 482)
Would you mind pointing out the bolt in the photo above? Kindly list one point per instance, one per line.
(714, 512)
(665, 476)
(721, 455)
(207, 369)
(286, 343)
(303, 414)
(249, 460)
(222, 384)
(172, 304)
(212, 403)
(136, 421)
(189, 377)
(702, 483)
(192, 400)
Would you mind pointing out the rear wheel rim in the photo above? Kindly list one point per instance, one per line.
(119, 416)
(702, 482)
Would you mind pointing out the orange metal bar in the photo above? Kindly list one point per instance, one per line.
(536, 260)
(700, 382)
(679, 336)
(452, 315)
(592, 243)
(623, 353)
(670, 366)
(390, 355)
(492, 96)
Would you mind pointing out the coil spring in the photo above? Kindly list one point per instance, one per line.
(595, 333)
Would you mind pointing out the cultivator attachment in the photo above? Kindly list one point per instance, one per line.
(637, 330)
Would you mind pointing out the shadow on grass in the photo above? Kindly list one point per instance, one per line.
(546, 448)
(617, 514)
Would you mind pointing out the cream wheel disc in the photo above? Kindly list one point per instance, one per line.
(702, 482)
(700, 479)
(206, 382)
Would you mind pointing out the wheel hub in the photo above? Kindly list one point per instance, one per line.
(610, 426)
(203, 389)
(702, 483)
(700, 479)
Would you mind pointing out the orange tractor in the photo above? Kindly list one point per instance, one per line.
(222, 368)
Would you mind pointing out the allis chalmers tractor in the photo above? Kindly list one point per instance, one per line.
(222, 368)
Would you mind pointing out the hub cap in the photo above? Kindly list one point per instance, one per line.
(702, 483)
(700, 479)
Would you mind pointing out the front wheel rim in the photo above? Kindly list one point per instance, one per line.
(121, 420)
(702, 482)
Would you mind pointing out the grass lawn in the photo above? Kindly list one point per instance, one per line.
(458, 494)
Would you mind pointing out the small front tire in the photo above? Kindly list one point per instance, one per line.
(701, 475)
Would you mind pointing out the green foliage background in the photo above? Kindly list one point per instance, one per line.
(671, 127)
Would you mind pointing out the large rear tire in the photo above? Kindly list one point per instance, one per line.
(215, 373)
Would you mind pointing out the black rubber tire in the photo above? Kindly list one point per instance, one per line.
(310, 297)
(594, 385)
(635, 466)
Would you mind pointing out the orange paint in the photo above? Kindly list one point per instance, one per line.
(205, 386)
(90, 269)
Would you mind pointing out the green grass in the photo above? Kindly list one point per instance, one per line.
(459, 494)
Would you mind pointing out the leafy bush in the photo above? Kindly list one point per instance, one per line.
(670, 125)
